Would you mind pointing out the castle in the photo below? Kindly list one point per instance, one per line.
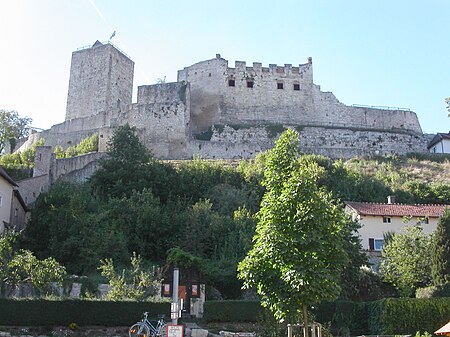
(217, 111)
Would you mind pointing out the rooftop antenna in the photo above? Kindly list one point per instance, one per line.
(112, 35)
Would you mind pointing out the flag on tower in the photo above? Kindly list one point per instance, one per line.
(112, 35)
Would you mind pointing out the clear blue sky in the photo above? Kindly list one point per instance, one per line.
(383, 52)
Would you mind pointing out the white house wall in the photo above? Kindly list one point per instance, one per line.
(373, 227)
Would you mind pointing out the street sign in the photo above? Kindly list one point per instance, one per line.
(175, 330)
(174, 311)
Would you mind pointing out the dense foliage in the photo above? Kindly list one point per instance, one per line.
(299, 248)
(12, 128)
(48, 313)
(406, 261)
(440, 254)
(87, 145)
(136, 204)
(19, 266)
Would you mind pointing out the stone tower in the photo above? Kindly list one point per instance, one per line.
(101, 79)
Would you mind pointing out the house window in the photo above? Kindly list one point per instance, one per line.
(296, 86)
(376, 244)
(231, 83)
(249, 84)
(280, 85)
(386, 219)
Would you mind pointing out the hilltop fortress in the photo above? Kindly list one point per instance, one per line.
(214, 111)
(218, 111)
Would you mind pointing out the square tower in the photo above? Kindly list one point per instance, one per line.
(101, 79)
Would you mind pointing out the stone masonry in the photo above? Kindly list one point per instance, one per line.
(217, 111)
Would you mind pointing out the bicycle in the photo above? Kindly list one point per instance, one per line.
(145, 328)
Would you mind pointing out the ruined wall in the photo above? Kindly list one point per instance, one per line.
(245, 142)
(101, 79)
(257, 94)
(76, 169)
(330, 112)
(278, 94)
(161, 116)
(31, 188)
(206, 80)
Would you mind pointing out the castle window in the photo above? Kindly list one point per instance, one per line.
(249, 84)
(296, 86)
(231, 83)
(280, 85)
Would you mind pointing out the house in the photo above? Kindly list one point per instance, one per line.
(379, 219)
(440, 143)
(13, 211)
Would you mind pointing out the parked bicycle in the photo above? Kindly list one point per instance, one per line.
(147, 328)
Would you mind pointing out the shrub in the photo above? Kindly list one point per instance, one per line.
(232, 311)
(49, 313)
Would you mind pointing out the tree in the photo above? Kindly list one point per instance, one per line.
(440, 256)
(406, 263)
(135, 284)
(17, 267)
(127, 167)
(298, 253)
(12, 128)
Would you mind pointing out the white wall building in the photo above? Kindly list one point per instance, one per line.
(379, 219)
(440, 143)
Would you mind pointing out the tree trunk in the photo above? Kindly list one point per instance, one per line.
(305, 320)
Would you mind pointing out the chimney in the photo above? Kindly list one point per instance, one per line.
(391, 199)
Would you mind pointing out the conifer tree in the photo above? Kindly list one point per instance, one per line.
(440, 258)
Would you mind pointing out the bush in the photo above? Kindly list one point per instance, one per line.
(232, 311)
(434, 291)
(407, 315)
(346, 317)
(50, 313)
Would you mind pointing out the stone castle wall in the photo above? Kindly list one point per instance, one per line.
(213, 111)
(232, 142)
(254, 95)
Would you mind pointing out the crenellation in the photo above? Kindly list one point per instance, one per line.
(240, 65)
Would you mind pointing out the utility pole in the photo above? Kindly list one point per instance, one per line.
(174, 308)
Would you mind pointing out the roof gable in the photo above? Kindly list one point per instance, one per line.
(7, 177)
(438, 138)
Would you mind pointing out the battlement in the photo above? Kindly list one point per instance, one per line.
(286, 70)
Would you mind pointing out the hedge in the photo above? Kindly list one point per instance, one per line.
(408, 315)
(232, 311)
(64, 312)
(392, 316)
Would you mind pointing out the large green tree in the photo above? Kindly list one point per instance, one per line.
(299, 247)
(406, 260)
(12, 127)
(440, 254)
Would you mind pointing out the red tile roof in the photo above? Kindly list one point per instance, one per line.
(366, 208)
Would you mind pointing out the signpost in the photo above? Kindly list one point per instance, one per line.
(174, 308)
(174, 330)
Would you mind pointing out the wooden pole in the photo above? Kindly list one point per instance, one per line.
(305, 320)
